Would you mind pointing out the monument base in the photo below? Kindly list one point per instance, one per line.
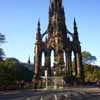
(52, 83)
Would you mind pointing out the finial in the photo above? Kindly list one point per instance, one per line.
(75, 31)
(74, 21)
(38, 34)
(38, 21)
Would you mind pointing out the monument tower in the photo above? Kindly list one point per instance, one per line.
(58, 40)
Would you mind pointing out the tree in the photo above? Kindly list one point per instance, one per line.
(17, 70)
(2, 40)
(88, 58)
(8, 72)
(11, 70)
(1, 54)
(22, 73)
(13, 60)
(91, 72)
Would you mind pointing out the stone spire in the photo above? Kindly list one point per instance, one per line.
(55, 7)
(56, 17)
(75, 26)
(75, 31)
(38, 34)
(55, 3)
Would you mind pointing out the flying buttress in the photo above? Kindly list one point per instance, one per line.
(46, 32)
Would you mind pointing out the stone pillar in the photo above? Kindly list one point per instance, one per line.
(78, 64)
(75, 64)
(37, 62)
(59, 62)
(69, 63)
(47, 62)
(66, 66)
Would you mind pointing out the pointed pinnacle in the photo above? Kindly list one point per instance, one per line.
(74, 22)
(38, 25)
(38, 21)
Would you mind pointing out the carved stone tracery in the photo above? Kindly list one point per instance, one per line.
(58, 41)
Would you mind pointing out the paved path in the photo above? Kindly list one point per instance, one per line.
(87, 93)
(14, 95)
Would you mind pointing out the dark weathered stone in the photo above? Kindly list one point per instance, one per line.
(58, 39)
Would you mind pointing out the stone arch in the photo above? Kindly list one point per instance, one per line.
(44, 37)
(70, 37)
(52, 55)
(73, 62)
(43, 58)
(64, 53)
(52, 58)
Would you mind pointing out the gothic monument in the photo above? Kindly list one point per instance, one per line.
(58, 40)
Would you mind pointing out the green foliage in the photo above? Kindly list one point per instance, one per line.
(88, 58)
(22, 73)
(12, 60)
(2, 38)
(12, 70)
(1, 54)
(7, 73)
(91, 72)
